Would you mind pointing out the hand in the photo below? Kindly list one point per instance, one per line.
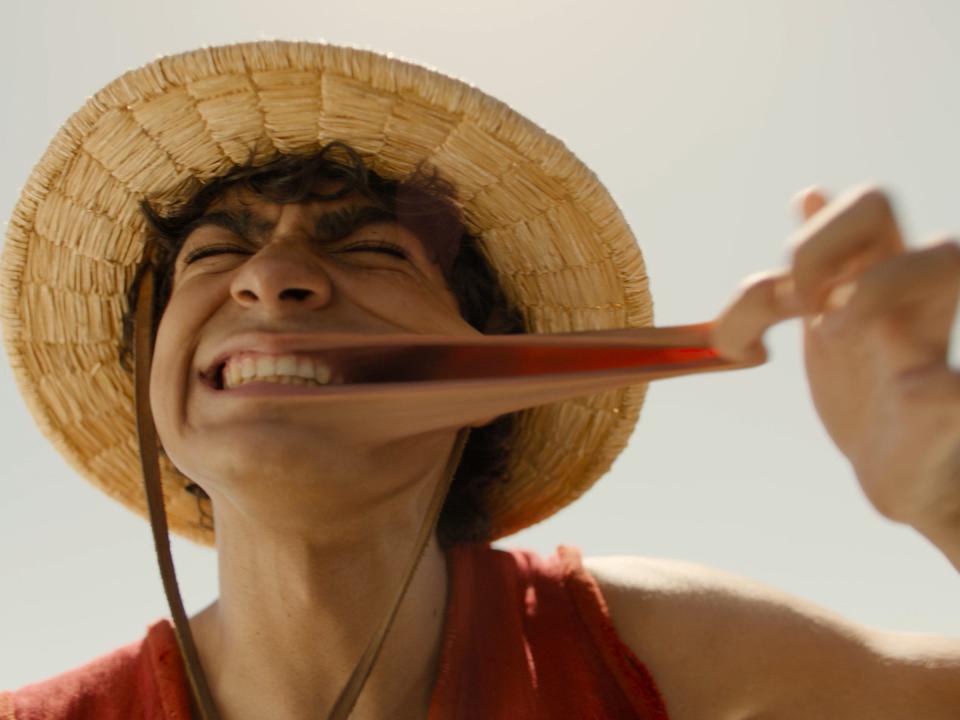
(877, 318)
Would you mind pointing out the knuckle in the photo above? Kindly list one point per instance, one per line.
(947, 249)
(876, 201)
(758, 279)
(759, 287)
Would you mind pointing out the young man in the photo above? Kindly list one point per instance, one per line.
(319, 495)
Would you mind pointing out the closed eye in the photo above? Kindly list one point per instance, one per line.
(229, 249)
(383, 247)
(209, 250)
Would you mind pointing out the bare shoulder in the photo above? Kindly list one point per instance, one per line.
(723, 646)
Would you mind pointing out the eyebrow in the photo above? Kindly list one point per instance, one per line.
(329, 227)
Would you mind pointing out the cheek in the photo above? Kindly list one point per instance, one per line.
(172, 371)
(410, 302)
(168, 377)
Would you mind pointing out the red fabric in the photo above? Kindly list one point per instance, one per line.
(525, 638)
(144, 680)
(530, 638)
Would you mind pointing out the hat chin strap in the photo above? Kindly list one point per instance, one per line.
(150, 465)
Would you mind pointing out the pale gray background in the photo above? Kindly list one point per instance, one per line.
(703, 118)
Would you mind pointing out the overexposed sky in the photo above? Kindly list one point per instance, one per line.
(703, 119)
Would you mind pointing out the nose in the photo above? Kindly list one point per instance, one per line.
(286, 274)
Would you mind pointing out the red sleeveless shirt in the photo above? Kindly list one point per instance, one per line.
(525, 638)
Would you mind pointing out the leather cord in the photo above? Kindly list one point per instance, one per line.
(348, 696)
(150, 465)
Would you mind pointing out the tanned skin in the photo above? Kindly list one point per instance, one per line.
(308, 560)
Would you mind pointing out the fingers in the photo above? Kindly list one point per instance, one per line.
(839, 243)
(840, 240)
(933, 271)
(808, 202)
(916, 292)
(763, 300)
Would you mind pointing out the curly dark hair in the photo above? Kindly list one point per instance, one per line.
(423, 202)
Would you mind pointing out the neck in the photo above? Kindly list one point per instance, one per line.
(296, 613)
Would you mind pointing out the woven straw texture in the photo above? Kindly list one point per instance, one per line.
(558, 242)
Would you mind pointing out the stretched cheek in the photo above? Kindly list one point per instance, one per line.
(412, 305)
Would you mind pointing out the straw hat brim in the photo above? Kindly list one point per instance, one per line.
(556, 239)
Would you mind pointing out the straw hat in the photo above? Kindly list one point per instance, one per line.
(557, 241)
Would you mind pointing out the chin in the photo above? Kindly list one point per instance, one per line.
(256, 450)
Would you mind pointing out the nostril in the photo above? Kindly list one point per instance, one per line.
(295, 294)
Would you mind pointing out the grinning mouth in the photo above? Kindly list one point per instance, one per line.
(348, 366)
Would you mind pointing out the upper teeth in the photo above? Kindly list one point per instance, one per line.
(297, 369)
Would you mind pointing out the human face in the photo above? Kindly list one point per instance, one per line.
(286, 283)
